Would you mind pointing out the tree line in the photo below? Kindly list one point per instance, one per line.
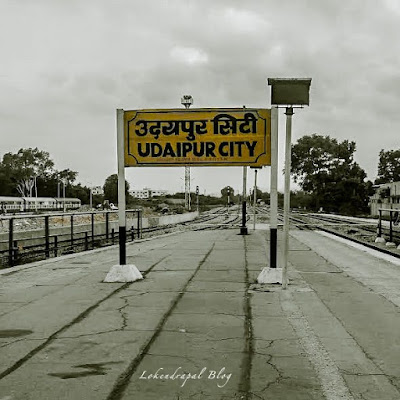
(323, 167)
(330, 178)
(30, 172)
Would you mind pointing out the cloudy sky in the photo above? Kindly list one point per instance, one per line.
(66, 65)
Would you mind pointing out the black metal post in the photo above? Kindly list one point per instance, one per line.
(46, 236)
(10, 242)
(15, 250)
(243, 228)
(122, 245)
(55, 246)
(138, 224)
(273, 247)
(92, 230)
(72, 232)
(391, 228)
(132, 233)
(107, 224)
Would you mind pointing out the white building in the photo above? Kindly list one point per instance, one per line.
(97, 190)
(386, 196)
(146, 193)
(155, 193)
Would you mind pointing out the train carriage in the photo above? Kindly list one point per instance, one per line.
(13, 205)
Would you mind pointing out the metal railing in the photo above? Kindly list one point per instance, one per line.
(51, 238)
(394, 219)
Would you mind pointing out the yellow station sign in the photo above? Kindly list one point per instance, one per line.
(198, 137)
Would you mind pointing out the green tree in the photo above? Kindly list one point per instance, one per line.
(25, 166)
(325, 169)
(225, 190)
(228, 190)
(80, 192)
(111, 189)
(388, 167)
(7, 186)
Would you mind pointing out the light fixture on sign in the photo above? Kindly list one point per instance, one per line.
(187, 100)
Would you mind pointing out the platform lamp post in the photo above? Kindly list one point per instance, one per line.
(229, 199)
(289, 93)
(255, 195)
(243, 228)
(122, 272)
(187, 101)
(197, 198)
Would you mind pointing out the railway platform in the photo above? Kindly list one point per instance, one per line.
(198, 326)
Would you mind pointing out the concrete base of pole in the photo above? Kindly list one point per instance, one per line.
(270, 275)
(380, 240)
(123, 273)
(243, 230)
(390, 244)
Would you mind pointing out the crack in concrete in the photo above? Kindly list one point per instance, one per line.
(246, 365)
(10, 343)
(123, 315)
(83, 315)
(123, 380)
(343, 371)
(89, 334)
(256, 395)
(277, 380)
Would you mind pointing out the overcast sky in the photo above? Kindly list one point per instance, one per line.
(66, 65)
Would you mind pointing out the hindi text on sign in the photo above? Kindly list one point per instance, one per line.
(197, 137)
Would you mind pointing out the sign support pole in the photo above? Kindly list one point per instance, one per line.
(273, 274)
(288, 155)
(255, 199)
(122, 272)
(243, 228)
(121, 187)
(274, 188)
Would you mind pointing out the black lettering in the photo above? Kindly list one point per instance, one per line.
(221, 149)
(231, 148)
(198, 149)
(179, 149)
(168, 151)
(143, 130)
(188, 127)
(239, 148)
(251, 146)
(142, 153)
(186, 147)
(156, 149)
(210, 147)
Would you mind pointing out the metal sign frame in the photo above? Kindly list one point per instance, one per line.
(197, 137)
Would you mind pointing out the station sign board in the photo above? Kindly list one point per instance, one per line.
(198, 137)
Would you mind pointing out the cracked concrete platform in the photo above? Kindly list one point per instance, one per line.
(199, 327)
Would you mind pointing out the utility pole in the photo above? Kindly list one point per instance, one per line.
(197, 194)
(243, 228)
(187, 101)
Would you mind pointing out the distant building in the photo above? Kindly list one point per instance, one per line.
(146, 193)
(155, 193)
(387, 196)
(97, 190)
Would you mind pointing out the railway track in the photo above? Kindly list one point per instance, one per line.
(357, 230)
(217, 219)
